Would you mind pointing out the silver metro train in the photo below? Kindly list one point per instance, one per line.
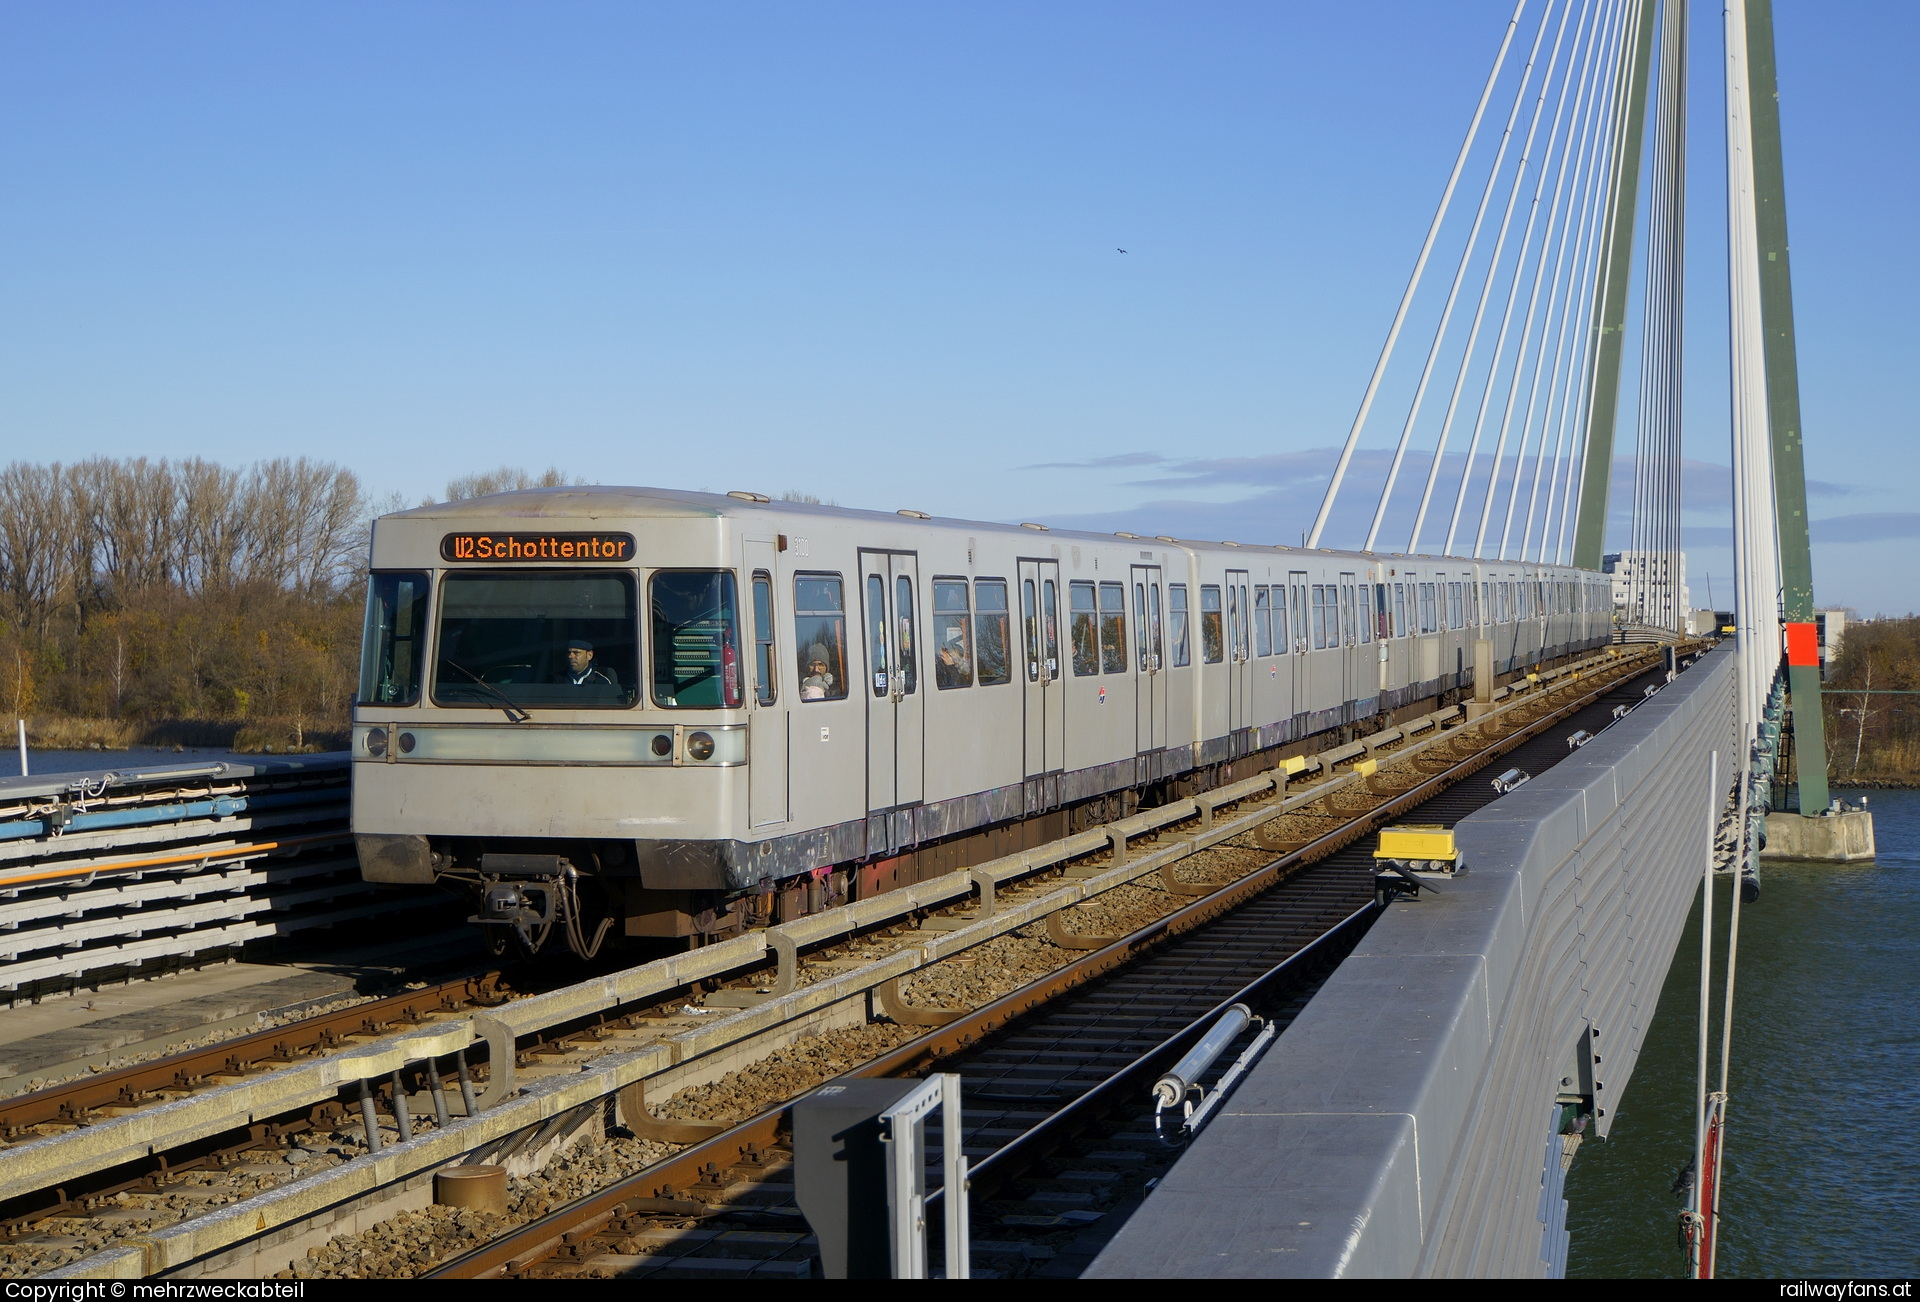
(638, 712)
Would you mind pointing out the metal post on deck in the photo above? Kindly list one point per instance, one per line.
(903, 1130)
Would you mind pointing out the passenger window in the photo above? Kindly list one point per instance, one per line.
(1085, 633)
(820, 635)
(1212, 636)
(1153, 620)
(1177, 624)
(1030, 624)
(1380, 610)
(763, 662)
(1299, 603)
(908, 666)
(952, 635)
(991, 634)
(1113, 628)
(1140, 625)
(1319, 616)
(1050, 606)
(877, 632)
(696, 659)
(1262, 621)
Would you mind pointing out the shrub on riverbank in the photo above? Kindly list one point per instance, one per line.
(1873, 730)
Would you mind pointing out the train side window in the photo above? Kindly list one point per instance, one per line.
(1177, 624)
(991, 634)
(1319, 616)
(1380, 610)
(1153, 621)
(1262, 620)
(1113, 628)
(907, 665)
(1085, 634)
(1456, 608)
(952, 635)
(1140, 624)
(877, 656)
(1282, 638)
(696, 661)
(1212, 635)
(763, 661)
(1030, 627)
(820, 636)
(1346, 610)
(396, 630)
(1050, 608)
(1298, 582)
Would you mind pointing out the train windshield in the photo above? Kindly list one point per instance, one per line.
(541, 638)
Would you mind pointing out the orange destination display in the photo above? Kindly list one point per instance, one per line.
(614, 547)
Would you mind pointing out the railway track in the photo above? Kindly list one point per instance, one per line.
(630, 1008)
(1055, 1076)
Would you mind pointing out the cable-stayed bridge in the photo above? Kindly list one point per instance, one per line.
(1418, 1116)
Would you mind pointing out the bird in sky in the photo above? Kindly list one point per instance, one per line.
(1119, 250)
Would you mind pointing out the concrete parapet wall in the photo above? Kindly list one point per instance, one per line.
(1400, 1126)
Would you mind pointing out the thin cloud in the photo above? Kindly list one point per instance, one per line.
(1874, 526)
(1120, 461)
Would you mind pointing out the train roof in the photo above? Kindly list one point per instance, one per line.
(597, 501)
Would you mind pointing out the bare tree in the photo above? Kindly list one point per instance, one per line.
(35, 565)
(507, 479)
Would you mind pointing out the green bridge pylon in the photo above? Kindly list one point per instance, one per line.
(1783, 414)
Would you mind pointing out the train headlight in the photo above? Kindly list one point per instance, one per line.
(377, 742)
(699, 746)
(406, 743)
(661, 745)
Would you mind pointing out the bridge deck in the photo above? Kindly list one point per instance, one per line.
(1401, 1126)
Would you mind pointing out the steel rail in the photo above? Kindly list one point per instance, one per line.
(76, 1102)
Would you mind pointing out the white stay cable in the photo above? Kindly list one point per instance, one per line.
(1413, 283)
(1584, 433)
(1581, 291)
(1653, 573)
(1453, 289)
(1561, 387)
(1755, 549)
(1557, 168)
(1495, 261)
(1591, 196)
(1596, 232)
(1571, 166)
(1706, 985)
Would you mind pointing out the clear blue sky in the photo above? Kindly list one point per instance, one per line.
(865, 251)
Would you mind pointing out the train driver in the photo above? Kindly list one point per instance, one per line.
(580, 670)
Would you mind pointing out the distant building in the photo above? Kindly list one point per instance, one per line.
(1832, 626)
(1643, 590)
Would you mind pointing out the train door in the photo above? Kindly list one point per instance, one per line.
(767, 724)
(1150, 701)
(1239, 653)
(889, 609)
(1046, 695)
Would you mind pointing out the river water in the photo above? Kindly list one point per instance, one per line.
(1822, 1171)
